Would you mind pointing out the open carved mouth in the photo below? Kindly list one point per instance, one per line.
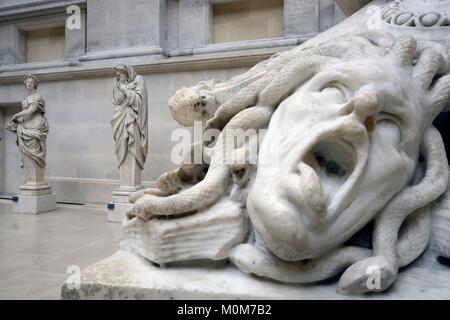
(334, 162)
(328, 173)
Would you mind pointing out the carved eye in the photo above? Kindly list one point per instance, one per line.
(391, 124)
(389, 117)
(336, 91)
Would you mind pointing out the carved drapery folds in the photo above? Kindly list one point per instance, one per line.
(129, 120)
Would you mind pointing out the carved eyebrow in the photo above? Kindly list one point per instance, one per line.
(395, 108)
(334, 75)
(387, 115)
(346, 90)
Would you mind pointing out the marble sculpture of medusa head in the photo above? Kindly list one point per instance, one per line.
(349, 140)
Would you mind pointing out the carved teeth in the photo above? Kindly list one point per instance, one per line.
(312, 193)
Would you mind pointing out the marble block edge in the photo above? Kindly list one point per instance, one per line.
(124, 276)
(35, 204)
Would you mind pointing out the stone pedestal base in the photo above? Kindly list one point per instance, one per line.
(126, 276)
(117, 213)
(120, 198)
(35, 204)
(122, 193)
(35, 189)
(130, 178)
(130, 182)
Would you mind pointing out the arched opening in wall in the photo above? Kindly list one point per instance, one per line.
(442, 123)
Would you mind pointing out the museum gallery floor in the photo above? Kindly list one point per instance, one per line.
(37, 250)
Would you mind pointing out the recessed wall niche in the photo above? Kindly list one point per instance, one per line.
(45, 44)
(247, 20)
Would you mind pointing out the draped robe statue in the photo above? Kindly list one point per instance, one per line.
(32, 128)
(129, 124)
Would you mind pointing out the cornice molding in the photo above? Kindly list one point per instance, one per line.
(417, 13)
(145, 65)
(38, 7)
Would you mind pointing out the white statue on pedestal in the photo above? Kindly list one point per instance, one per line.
(129, 124)
(32, 128)
(130, 132)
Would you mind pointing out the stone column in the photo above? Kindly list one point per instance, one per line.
(194, 23)
(351, 6)
(301, 17)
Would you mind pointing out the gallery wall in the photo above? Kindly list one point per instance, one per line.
(81, 161)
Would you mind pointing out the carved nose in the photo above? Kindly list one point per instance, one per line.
(364, 107)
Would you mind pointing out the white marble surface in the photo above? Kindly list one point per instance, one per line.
(125, 276)
(206, 235)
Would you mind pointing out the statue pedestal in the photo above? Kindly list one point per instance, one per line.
(130, 181)
(35, 195)
(126, 276)
(117, 211)
(33, 204)
(130, 177)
